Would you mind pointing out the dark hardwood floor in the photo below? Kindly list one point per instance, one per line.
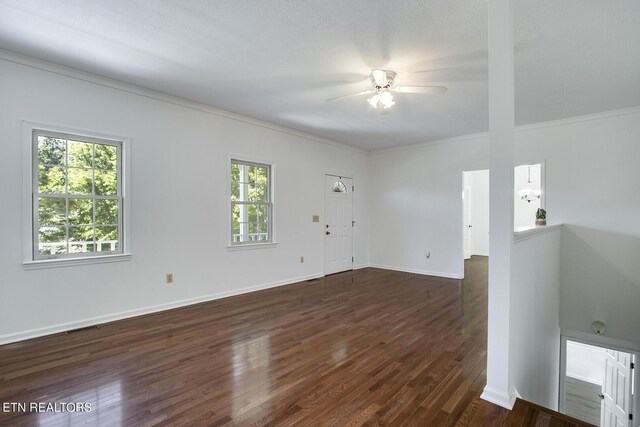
(370, 347)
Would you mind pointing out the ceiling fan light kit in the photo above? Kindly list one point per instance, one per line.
(382, 82)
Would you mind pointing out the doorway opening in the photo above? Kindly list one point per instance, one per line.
(475, 214)
(338, 242)
(598, 384)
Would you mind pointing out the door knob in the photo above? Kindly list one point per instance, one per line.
(328, 232)
(601, 396)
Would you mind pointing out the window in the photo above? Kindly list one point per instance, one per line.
(77, 196)
(339, 187)
(251, 203)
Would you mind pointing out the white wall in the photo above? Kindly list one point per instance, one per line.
(535, 318)
(600, 272)
(586, 362)
(417, 205)
(420, 188)
(179, 207)
(592, 185)
(478, 184)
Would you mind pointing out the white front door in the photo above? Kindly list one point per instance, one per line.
(616, 390)
(338, 243)
(466, 226)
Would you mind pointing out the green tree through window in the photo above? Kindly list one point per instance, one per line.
(77, 196)
(251, 203)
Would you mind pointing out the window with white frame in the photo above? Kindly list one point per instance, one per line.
(76, 196)
(251, 203)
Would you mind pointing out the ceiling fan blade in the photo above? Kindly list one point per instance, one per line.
(366, 92)
(420, 89)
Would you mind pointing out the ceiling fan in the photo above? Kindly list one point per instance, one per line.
(382, 86)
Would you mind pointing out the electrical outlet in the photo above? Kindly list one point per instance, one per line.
(301, 260)
(315, 218)
(169, 278)
(428, 254)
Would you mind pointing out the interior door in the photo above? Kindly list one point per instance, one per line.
(338, 230)
(466, 227)
(616, 390)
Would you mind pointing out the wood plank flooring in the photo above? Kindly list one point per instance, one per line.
(369, 347)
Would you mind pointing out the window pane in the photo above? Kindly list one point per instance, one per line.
(52, 240)
(105, 157)
(235, 182)
(81, 239)
(106, 211)
(80, 154)
(51, 151)
(51, 180)
(339, 187)
(263, 222)
(80, 181)
(52, 211)
(107, 238)
(106, 183)
(80, 211)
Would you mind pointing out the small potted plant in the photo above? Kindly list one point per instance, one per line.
(541, 217)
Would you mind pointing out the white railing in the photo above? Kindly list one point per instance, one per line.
(253, 237)
(79, 247)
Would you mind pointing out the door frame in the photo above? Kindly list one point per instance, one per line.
(602, 342)
(461, 222)
(352, 177)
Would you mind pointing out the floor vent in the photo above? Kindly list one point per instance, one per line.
(73, 331)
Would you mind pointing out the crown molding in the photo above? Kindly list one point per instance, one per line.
(453, 139)
(77, 74)
(519, 129)
(579, 119)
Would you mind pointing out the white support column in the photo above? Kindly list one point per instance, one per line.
(499, 389)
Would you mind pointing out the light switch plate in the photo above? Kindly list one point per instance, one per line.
(316, 218)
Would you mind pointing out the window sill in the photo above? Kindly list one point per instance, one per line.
(249, 246)
(54, 263)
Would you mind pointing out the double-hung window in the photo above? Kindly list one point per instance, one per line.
(77, 196)
(251, 203)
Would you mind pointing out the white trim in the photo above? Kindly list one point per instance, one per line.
(63, 70)
(416, 271)
(522, 235)
(61, 327)
(583, 118)
(67, 262)
(461, 138)
(249, 246)
(523, 128)
(271, 243)
(496, 397)
(28, 127)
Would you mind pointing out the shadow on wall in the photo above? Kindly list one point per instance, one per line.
(600, 280)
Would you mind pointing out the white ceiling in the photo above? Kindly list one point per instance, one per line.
(278, 60)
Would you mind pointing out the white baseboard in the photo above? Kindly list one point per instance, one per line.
(499, 398)
(61, 327)
(359, 266)
(423, 272)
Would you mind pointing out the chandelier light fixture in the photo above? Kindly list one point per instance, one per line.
(528, 193)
